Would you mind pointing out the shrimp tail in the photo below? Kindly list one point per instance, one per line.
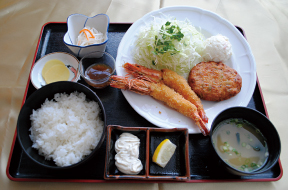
(171, 79)
(141, 72)
(180, 85)
(135, 85)
(161, 92)
(203, 128)
(203, 115)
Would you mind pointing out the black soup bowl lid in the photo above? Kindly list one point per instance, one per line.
(34, 101)
(263, 124)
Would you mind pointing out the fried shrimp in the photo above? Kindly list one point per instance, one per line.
(180, 85)
(161, 92)
(171, 79)
(139, 71)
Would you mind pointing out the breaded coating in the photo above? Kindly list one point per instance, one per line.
(180, 85)
(161, 92)
(169, 78)
(214, 81)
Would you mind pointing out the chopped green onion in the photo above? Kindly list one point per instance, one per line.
(244, 166)
(239, 125)
(234, 150)
(247, 161)
(227, 144)
(232, 120)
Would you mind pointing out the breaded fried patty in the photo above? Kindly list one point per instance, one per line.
(214, 81)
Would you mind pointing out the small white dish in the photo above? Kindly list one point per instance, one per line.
(69, 60)
(76, 22)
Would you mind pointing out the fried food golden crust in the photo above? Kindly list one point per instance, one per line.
(169, 78)
(161, 92)
(180, 85)
(214, 81)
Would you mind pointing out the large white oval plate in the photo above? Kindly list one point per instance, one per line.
(242, 61)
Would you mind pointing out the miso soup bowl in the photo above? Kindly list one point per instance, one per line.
(261, 122)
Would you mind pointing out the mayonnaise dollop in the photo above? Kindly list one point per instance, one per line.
(127, 149)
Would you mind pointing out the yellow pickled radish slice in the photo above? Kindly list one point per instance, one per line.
(50, 64)
(164, 152)
(56, 73)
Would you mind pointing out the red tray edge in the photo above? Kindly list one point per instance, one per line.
(124, 181)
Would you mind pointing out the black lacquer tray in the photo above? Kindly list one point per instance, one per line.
(204, 164)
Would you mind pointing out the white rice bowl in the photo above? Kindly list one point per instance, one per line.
(67, 128)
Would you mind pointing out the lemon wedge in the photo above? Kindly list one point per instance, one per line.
(164, 152)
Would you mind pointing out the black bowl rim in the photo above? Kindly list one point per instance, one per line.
(258, 171)
(95, 149)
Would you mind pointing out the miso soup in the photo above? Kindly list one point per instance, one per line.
(240, 144)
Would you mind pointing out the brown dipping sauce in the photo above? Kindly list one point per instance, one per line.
(98, 72)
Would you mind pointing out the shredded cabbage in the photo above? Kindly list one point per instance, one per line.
(169, 43)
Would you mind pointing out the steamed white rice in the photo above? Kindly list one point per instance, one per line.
(67, 128)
